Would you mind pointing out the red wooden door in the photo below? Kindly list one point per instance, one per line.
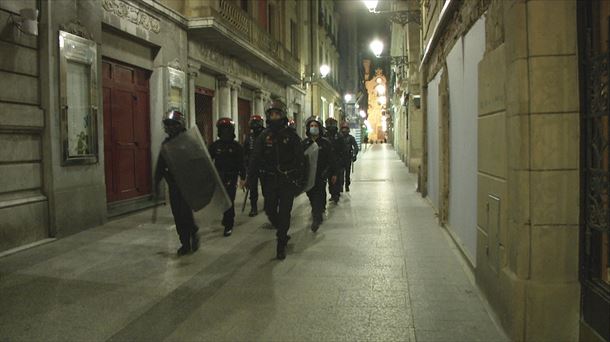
(244, 111)
(126, 131)
(203, 114)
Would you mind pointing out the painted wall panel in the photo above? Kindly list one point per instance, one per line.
(433, 141)
(462, 64)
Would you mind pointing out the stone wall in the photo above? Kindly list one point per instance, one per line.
(537, 241)
(23, 200)
(528, 160)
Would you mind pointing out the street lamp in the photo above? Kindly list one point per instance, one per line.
(362, 114)
(371, 5)
(401, 17)
(347, 97)
(324, 70)
(377, 47)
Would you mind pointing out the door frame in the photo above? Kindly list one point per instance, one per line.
(595, 296)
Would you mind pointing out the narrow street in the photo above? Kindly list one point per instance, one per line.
(379, 269)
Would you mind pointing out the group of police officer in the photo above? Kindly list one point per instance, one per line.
(274, 156)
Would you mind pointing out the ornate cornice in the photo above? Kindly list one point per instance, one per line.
(133, 14)
(75, 27)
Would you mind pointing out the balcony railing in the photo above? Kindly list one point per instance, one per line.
(244, 26)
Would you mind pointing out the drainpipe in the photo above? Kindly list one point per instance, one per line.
(311, 49)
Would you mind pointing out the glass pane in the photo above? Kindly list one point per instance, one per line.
(79, 108)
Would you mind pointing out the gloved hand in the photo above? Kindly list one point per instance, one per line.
(353, 159)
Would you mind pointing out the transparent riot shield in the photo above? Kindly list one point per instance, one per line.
(190, 163)
(311, 158)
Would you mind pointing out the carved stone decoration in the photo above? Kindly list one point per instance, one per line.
(76, 28)
(175, 64)
(133, 14)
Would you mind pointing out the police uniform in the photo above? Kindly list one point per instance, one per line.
(279, 161)
(352, 153)
(255, 131)
(181, 210)
(228, 156)
(340, 155)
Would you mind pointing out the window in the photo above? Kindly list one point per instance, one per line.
(244, 5)
(294, 38)
(271, 27)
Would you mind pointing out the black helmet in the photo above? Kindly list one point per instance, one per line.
(226, 125)
(331, 122)
(276, 106)
(256, 121)
(174, 116)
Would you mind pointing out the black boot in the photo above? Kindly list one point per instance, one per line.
(253, 211)
(315, 225)
(347, 188)
(281, 250)
(228, 231)
(194, 242)
(184, 250)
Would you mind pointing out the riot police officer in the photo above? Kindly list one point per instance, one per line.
(279, 161)
(228, 156)
(340, 155)
(256, 127)
(352, 153)
(325, 169)
(174, 124)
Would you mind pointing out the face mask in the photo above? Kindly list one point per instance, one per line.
(314, 130)
(332, 130)
(275, 124)
(226, 135)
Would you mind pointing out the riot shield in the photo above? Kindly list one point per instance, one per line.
(311, 157)
(190, 163)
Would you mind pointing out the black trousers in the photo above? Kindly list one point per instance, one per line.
(348, 171)
(230, 182)
(335, 189)
(279, 196)
(183, 216)
(253, 184)
(317, 199)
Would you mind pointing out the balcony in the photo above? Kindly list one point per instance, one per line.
(233, 32)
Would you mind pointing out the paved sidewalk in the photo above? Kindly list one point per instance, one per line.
(379, 269)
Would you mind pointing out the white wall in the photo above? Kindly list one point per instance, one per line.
(433, 140)
(462, 64)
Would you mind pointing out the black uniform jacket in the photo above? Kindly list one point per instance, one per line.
(340, 150)
(352, 145)
(278, 153)
(228, 158)
(326, 165)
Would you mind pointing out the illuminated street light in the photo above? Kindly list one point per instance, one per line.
(382, 100)
(371, 5)
(324, 70)
(347, 97)
(362, 114)
(377, 47)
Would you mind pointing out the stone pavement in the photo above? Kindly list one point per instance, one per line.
(379, 269)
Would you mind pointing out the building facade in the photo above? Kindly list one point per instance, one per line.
(514, 123)
(83, 101)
